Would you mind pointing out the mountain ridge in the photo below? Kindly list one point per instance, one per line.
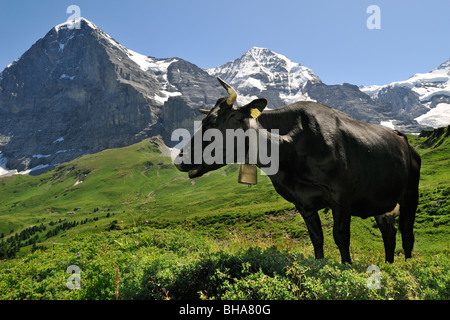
(253, 75)
(78, 91)
(426, 96)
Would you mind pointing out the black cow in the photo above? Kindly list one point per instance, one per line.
(329, 160)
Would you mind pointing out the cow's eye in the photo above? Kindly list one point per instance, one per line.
(234, 118)
(209, 121)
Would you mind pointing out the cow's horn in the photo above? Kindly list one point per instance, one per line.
(231, 92)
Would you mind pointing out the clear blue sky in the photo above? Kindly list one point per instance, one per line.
(328, 36)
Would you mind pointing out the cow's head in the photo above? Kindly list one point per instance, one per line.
(224, 115)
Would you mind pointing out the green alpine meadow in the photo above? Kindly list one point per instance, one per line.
(125, 224)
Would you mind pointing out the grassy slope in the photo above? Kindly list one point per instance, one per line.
(142, 190)
(433, 214)
(135, 183)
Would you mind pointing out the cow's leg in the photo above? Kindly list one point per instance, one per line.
(341, 232)
(388, 231)
(314, 226)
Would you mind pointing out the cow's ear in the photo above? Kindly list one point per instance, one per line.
(254, 108)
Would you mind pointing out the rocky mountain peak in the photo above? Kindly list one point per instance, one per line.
(77, 91)
(75, 24)
(260, 72)
(445, 65)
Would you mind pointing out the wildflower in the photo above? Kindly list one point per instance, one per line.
(78, 253)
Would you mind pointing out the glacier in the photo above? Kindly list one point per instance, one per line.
(439, 116)
(426, 85)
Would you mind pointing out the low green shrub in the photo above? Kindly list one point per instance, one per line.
(146, 263)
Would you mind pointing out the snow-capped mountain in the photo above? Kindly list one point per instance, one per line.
(424, 95)
(261, 72)
(78, 91)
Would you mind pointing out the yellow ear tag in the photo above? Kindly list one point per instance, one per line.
(255, 113)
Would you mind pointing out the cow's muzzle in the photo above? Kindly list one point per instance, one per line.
(194, 170)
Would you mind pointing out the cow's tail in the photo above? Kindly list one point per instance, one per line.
(408, 205)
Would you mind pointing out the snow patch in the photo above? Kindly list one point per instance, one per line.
(40, 156)
(371, 91)
(12, 63)
(147, 63)
(39, 167)
(436, 117)
(291, 98)
(252, 82)
(61, 139)
(166, 96)
(388, 124)
(72, 24)
(3, 169)
(64, 76)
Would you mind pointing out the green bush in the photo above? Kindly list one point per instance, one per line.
(259, 286)
(146, 263)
